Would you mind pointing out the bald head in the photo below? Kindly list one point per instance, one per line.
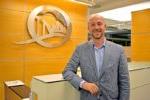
(96, 26)
(95, 16)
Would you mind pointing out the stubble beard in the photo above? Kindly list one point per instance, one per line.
(97, 37)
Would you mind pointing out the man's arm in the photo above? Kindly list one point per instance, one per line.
(124, 84)
(70, 70)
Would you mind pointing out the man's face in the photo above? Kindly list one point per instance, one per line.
(96, 27)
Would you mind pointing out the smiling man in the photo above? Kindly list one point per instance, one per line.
(103, 66)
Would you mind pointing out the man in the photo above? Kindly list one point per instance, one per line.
(103, 66)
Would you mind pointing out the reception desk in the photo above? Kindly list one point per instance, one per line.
(139, 80)
(54, 87)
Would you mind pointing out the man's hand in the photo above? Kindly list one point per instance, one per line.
(91, 87)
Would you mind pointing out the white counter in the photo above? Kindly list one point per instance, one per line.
(54, 87)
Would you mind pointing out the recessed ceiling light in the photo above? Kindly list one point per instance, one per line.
(86, 2)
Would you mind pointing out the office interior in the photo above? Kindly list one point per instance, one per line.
(26, 57)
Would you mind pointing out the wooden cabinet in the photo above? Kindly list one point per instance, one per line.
(17, 92)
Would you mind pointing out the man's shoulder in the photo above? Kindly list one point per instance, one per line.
(116, 47)
(84, 46)
(86, 43)
(114, 44)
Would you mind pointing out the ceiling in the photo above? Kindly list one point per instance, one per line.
(103, 5)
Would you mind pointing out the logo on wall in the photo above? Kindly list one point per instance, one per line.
(48, 26)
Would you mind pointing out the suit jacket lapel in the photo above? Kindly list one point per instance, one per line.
(106, 56)
(92, 58)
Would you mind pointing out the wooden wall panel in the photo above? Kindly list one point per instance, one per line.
(17, 5)
(140, 38)
(140, 21)
(11, 70)
(11, 56)
(24, 61)
(12, 30)
(54, 60)
(1, 91)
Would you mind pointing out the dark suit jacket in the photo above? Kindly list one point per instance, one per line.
(114, 78)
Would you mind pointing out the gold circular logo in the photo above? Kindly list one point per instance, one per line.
(48, 26)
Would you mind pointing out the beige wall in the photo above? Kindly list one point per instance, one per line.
(23, 61)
